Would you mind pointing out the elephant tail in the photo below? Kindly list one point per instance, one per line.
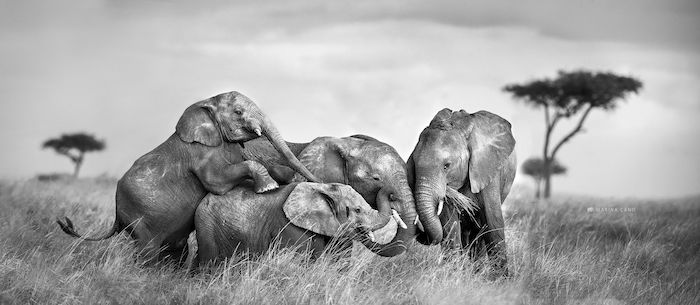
(67, 226)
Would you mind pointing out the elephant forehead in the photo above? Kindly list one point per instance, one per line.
(442, 144)
(385, 163)
(439, 152)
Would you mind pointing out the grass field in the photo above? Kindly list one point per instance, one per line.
(567, 251)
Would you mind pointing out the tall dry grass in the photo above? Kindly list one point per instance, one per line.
(566, 251)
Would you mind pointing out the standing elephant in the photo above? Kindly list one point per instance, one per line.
(303, 215)
(371, 167)
(157, 197)
(473, 154)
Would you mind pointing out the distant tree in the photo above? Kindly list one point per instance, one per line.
(567, 95)
(74, 146)
(535, 168)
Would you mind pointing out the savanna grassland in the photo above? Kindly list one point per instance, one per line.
(566, 251)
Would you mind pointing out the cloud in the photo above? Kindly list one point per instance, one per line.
(127, 71)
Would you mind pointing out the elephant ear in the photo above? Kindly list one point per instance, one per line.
(326, 158)
(197, 125)
(410, 172)
(312, 206)
(490, 143)
(442, 120)
(364, 137)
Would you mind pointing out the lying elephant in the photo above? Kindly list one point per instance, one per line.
(303, 215)
(473, 154)
(157, 197)
(371, 167)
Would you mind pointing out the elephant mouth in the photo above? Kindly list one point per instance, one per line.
(386, 234)
(381, 236)
(253, 130)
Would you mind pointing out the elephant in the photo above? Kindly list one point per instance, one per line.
(157, 197)
(305, 216)
(462, 157)
(371, 167)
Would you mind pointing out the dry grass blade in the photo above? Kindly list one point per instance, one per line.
(465, 203)
(565, 251)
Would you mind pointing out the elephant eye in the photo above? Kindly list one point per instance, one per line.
(376, 177)
(238, 112)
(357, 210)
(446, 166)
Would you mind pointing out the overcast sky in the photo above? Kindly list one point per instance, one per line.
(126, 70)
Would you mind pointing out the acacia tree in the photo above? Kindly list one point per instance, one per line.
(570, 95)
(74, 146)
(534, 167)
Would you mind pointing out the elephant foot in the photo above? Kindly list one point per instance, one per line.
(499, 268)
(497, 274)
(265, 184)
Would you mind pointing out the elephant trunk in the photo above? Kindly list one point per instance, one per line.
(273, 135)
(427, 197)
(407, 213)
(378, 221)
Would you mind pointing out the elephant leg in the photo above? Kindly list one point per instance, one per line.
(452, 242)
(160, 238)
(282, 174)
(207, 249)
(494, 236)
(192, 262)
(147, 242)
(175, 252)
(262, 178)
(218, 176)
(149, 250)
(472, 243)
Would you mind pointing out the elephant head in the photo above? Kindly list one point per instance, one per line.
(332, 209)
(377, 172)
(457, 150)
(233, 117)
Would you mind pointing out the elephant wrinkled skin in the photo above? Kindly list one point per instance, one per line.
(157, 197)
(306, 216)
(473, 154)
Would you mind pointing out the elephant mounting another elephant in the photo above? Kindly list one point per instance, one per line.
(464, 157)
(462, 162)
(157, 197)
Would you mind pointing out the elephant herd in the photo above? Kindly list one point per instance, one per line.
(240, 192)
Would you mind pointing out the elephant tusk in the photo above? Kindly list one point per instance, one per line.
(371, 236)
(398, 219)
(439, 208)
(257, 131)
(420, 225)
(415, 221)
